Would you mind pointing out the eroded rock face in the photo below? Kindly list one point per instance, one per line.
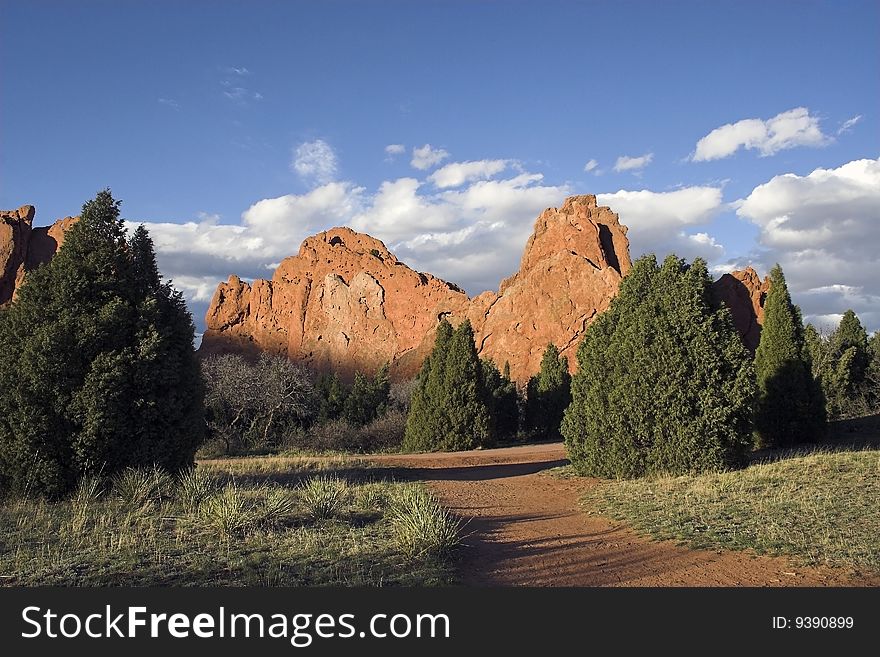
(345, 302)
(744, 293)
(23, 247)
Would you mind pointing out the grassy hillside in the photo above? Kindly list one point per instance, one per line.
(820, 507)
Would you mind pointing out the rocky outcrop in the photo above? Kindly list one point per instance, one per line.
(23, 247)
(744, 293)
(15, 235)
(345, 302)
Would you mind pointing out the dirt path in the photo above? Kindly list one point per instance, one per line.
(526, 529)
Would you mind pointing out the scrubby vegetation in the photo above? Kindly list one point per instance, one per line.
(664, 383)
(819, 507)
(243, 522)
(98, 371)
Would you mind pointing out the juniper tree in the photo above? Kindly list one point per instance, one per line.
(790, 407)
(549, 393)
(850, 336)
(425, 420)
(501, 399)
(331, 397)
(664, 383)
(99, 371)
(448, 409)
(367, 399)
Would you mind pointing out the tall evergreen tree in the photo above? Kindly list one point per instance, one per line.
(501, 399)
(424, 423)
(850, 336)
(367, 399)
(99, 371)
(448, 409)
(331, 397)
(664, 383)
(549, 394)
(791, 407)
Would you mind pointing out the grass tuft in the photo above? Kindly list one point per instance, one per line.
(323, 496)
(142, 486)
(421, 525)
(194, 486)
(228, 512)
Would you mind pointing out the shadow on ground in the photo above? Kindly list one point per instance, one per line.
(843, 435)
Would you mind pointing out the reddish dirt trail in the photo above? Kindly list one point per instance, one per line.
(525, 528)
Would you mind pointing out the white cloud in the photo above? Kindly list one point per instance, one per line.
(237, 70)
(660, 222)
(393, 150)
(789, 129)
(427, 156)
(847, 125)
(456, 174)
(241, 94)
(315, 161)
(169, 102)
(591, 165)
(472, 235)
(824, 229)
(626, 163)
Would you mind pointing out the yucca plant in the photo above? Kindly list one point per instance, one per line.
(323, 496)
(141, 486)
(194, 486)
(421, 525)
(228, 512)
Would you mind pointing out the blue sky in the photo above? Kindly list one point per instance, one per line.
(250, 125)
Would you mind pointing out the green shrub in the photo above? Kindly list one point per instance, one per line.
(664, 383)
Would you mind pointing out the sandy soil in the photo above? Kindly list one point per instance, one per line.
(525, 528)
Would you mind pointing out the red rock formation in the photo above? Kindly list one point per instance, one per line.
(22, 247)
(744, 293)
(346, 303)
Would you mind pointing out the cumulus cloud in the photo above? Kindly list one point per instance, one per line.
(626, 163)
(427, 156)
(393, 150)
(847, 125)
(661, 222)
(315, 161)
(824, 229)
(796, 127)
(591, 166)
(456, 174)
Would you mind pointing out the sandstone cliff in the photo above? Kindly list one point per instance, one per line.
(23, 248)
(345, 302)
(744, 293)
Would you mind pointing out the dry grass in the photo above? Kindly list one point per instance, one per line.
(823, 508)
(227, 523)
